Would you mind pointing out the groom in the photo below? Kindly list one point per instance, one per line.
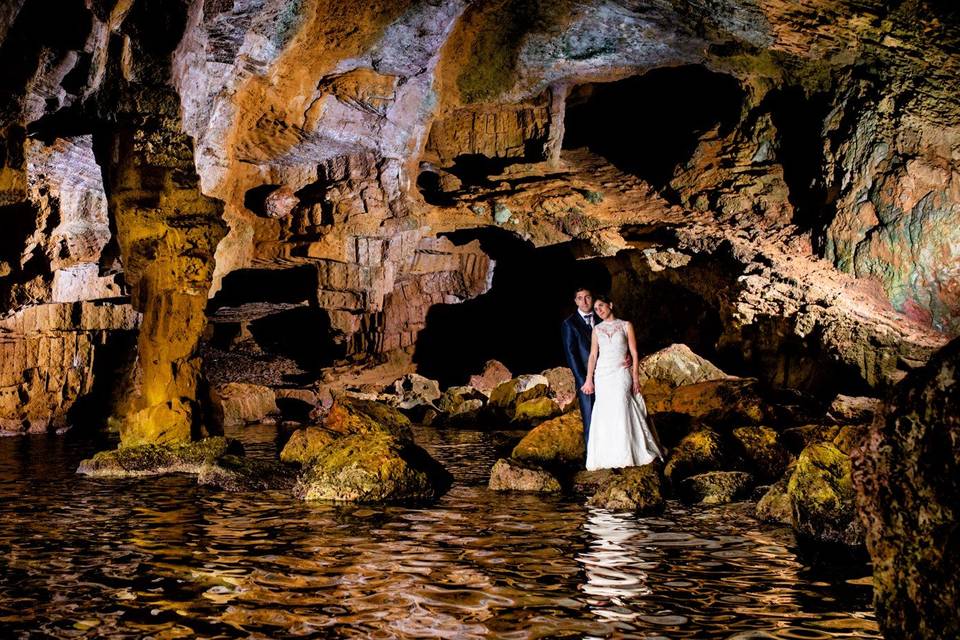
(576, 331)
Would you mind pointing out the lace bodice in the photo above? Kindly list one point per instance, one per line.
(612, 341)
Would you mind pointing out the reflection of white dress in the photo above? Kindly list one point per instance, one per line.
(619, 434)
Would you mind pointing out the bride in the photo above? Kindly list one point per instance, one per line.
(620, 436)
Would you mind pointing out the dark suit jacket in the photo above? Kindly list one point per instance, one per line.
(576, 345)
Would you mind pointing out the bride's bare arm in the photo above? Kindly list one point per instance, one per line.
(634, 367)
(587, 387)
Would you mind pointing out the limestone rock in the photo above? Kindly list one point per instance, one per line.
(719, 401)
(505, 398)
(855, 409)
(306, 444)
(563, 387)
(821, 494)
(350, 416)
(554, 443)
(158, 459)
(512, 475)
(698, 452)
(761, 449)
(796, 439)
(906, 478)
(850, 437)
(672, 367)
(494, 373)
(775, 505)
(715, 487)
(372, 467)
(535, 410)
(233, 473)
(461, 406)
(238, 403)
(631, 489)
(414, 390)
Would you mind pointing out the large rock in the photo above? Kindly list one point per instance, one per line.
(234, 473)
(761, 450)
(698, 452)
(350, 416)
(460, 407)
(372, 467)
(512, 475)
(775, 505)
(507, 395)
(850, 437)
(718, 402)
(821, 494)
(630, 489)
(672, 367)
(158, 459)
(535, 410)
(494, 373)
(236, 403)
(855, 409)
(306, 444)
(563, 387)
(414, 390)
(554, 443)
(907, 478)
(715, 487)
(796, 439)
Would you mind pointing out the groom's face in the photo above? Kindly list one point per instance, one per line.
(584, 300)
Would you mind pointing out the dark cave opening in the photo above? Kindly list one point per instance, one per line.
(648, 125)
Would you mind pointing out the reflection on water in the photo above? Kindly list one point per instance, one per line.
(166, 559)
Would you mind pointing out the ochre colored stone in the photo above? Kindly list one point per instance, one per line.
(350, 416)
(715, 487)
(535, 410)
(761, 449)
(306, 444)
(512, 475)
(630, 489)
(554, 443)
(158, 459)
(821, 493)
(698, 452)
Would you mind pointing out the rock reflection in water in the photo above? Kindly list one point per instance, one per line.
(165, 558)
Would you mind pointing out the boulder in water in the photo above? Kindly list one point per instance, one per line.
(513, 475)
(233, 473)
(630, 489)
(698, 452)
(715, 487)
(554, 443)
(761, 449)
(158, 459)
(306, 444)
(774, 505)
(821, 494)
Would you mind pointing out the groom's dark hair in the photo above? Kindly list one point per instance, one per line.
(582, 288)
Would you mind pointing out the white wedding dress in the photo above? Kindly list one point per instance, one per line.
(619, 433)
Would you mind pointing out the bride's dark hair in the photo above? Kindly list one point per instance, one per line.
(603, 297)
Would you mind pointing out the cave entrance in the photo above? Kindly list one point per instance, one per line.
(648, 125)
(518, 321)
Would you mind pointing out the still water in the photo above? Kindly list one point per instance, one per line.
(164, 558)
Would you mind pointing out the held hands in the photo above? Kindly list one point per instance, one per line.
(587, 387)
(636, 386)
(627, 361)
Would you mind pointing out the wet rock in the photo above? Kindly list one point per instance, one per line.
(236, 403)
(535, 410)
(907, 478)
(855, 409)
(554, 443)
(306, 444)
(796, 439)
(563, 387)
(775, 505)
(822, 497)
(453, 399)
(507, 395)
(850, 437)
(158, 459)
(513, 475)
(350, 416)
(233, 473)
(588, 481)
(698, 452)
(672, 367)
(761, 449)
(715, 487)
(494, 373)
(631, 489)
(460, 406)
(372, 467)
(719, 402)
(414, 390)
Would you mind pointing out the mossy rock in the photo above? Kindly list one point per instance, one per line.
(158, 459)
(851, 437)
(507, 395)
(350, 416)
(715, 487)
(513, 475)
(233, 473)
(698, 452)
(761, 449)
(822, 497)
(720, 402)
(796, 439)
(774, 505)
(636, 489)
(535, 410)
(554, 443)
(372, 467)
(455, 399)
(306, 444)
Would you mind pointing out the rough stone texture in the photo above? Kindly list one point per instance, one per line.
(563, 387)
(717, 402)
(512, 475)
(158, 459)
(306, 444)
(821, 493)
(775, 505)
(698, 452)
(350, 416)
(494, 373)
(715, 487)
(535, 410)
(630, 489)
(672, 367)
(507, 396)
(851, 437)
(372, 468)
(413, 390)
(237, 403)
(907, 491)
(761, 449)
(796, 439)
(855, 410)
(233, 473)
(554, 443)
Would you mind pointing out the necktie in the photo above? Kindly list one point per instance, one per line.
(589, 319)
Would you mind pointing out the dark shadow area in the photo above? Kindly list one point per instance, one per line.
(518, 321)
(255, 199)
(429, 185)
(112, 363)
(245, 286)
(648, 125)
(799, 122)
(302, 335)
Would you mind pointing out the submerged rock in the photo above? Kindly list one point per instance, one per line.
(233, 473)
(630, 489)
(715, 487)
(761, 449)
(697, 452)
(821, 494)
(372, 467)
(306, 444)
(236, 403)
(775, 505)
(907, 478)
(554, 443)
(158, 459)
(513, 475)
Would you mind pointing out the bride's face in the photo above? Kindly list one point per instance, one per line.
(602, 309)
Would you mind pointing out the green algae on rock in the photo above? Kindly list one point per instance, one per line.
(554, 443)
(535, 410)
(715, 487)
(822, 497)
(235, 473)
(158, 459)
(775, 505)
(350, 416)
(306, 444)
(761, 449)
(698, 452)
